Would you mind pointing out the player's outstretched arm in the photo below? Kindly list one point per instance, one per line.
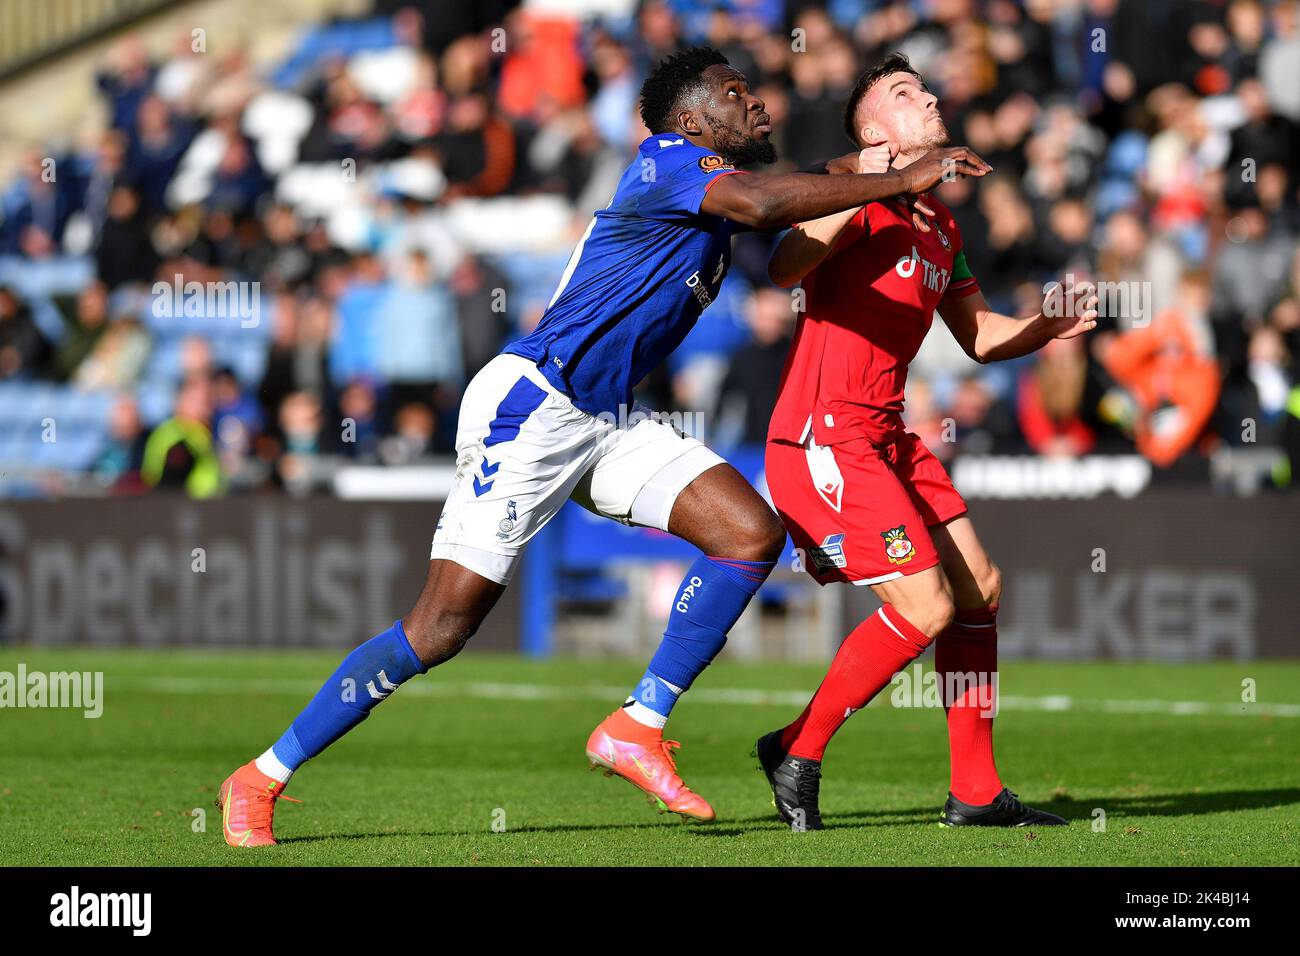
(806, 244)
(766, 201)
(988, 336)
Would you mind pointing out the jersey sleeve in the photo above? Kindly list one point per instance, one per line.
(679, 184)
(963, 281)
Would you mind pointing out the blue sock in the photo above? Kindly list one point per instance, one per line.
(713, 594)
(367, 675)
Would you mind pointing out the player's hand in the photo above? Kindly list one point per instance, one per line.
(943, 165)
(1071, 311)
(848, 163)
(875, 158)
(878, 158)
(920, 211)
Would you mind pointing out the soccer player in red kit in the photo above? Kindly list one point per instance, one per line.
(863, 498)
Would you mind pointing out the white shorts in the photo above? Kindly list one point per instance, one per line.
(523, 449)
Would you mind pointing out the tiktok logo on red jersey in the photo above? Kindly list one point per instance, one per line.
(932, 276)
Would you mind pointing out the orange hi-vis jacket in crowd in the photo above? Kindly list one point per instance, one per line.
(1174, 385)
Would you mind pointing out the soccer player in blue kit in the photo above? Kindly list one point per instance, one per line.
(552, 418)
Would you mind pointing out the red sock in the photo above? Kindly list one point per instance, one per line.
(875, 651)
(969, 646)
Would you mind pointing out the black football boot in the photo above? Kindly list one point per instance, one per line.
(1006, 810)
(795, 783)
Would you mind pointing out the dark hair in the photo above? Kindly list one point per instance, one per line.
(894, 63)
(673, 78)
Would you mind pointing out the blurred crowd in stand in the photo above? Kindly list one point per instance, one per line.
(369, 219)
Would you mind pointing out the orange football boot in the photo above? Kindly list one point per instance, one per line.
(647, 763)
(247, 804)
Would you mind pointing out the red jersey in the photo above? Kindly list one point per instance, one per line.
(868, 307)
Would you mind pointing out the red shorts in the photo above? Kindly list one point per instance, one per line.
(858, 511)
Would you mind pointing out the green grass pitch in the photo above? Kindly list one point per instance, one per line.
(481, 763)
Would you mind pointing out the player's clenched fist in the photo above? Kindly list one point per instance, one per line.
(943, 165)
(873, 159)
(1071, 311)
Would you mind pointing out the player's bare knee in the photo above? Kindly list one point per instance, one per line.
(941, 614)
(931, 617)
(753, 534)
(764, 538)
(439, 636)
(442, 645)
(933, 613)
(991, 585)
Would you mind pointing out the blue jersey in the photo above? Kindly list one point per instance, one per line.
(647, 266)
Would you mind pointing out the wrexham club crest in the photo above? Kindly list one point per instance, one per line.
(898, 547)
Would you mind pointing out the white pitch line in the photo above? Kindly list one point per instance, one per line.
(491, 690)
